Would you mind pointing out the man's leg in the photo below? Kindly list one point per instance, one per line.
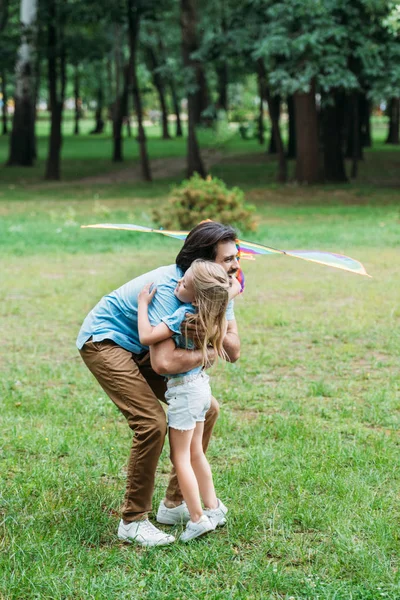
(120, 377)
(173, 495)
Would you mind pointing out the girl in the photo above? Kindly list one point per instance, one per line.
(204, 290)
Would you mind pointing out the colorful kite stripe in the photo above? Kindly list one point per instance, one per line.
(248, 250)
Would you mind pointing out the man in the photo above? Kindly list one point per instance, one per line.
(109, 345)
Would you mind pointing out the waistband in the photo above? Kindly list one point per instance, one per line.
(174, 381)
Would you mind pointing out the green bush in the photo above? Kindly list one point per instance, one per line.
(198, 199)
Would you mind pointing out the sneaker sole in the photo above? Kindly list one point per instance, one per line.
(221, 523)
(185, 541)
(134, 541)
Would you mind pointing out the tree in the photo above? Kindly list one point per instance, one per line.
(274, 116)
(134, 14)
(10, 38)
(307, 146)
(56, 70)
(22, 140)
(159, 83)
(189, 46)
(332, 124)
(394, 121)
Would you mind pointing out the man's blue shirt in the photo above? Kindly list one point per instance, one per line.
(115, 316)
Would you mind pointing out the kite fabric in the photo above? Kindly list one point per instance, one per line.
(248, 250)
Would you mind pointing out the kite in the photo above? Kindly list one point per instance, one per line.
(248, 250)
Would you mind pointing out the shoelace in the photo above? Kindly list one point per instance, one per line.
(148, 527)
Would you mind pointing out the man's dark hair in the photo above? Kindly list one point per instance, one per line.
(202, 242)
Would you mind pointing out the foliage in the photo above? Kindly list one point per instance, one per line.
(198, 199)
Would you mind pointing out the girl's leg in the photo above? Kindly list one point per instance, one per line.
(202, 469)
(180, 442)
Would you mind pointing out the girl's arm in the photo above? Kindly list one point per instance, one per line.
(148, 334)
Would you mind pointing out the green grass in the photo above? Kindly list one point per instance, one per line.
(306, 450)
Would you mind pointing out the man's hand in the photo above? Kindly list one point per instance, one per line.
(210, 358)
(145, 295)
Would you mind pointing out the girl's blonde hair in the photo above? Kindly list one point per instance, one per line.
(211, 287)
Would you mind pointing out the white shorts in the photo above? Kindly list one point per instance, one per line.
(188, 398)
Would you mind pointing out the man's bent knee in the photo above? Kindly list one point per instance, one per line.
(213, 411)
(153, 428)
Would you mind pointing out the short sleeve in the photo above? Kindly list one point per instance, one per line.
(230, 313)
(174, 321)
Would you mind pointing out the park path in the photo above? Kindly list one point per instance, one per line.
(161, 168)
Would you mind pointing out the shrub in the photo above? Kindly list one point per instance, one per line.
(198, 199)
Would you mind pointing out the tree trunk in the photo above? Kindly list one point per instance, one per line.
(202, 96)
(356, 138)
(77, 101)
(128, 125)
(332, 135)
(36, 98)
(260, 120)
(53, 159)
(133, 34)
(56, 71)
(365, 121)
(179, 132)
(222, 75)
(22, 139)
(291, 151)
(276, 101)
(274, 115)
(119, 111)
(189, 45)
(307, 162)
(5, 100)
(353, 127)
(174, 96)
(394, 122)
(160, 87)
(99, 122)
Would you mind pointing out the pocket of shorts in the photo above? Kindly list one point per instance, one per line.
(169, 396)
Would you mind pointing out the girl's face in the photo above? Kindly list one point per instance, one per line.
(184, 290)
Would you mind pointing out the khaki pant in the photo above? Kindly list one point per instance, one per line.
(136, 389)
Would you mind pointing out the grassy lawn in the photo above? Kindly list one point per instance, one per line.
(306, 451)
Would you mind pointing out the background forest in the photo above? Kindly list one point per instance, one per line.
(311, 73)
(295, 103)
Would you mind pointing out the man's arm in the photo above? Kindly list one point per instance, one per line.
(232, 341)
(166, 358)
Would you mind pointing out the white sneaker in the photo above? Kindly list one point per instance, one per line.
(172, 516)
(194, 530)
(144, 533)
(217, 516)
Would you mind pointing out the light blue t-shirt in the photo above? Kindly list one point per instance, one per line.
(174, 323)
(115, 316)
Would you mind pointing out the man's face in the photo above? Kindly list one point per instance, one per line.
(227, 257)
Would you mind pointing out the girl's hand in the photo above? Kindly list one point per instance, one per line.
(235, 288)
(145, 295)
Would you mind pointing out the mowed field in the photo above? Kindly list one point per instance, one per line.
(306, 450)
